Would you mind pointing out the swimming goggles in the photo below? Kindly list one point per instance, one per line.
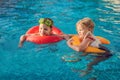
(46, 21)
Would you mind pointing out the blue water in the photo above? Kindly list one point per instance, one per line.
(43, 62)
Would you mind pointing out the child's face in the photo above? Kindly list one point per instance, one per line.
(44, 30)
(82, 30)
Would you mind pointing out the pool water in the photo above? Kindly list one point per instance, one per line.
(43, 62)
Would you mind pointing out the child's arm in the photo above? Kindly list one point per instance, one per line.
(83, 45)
(65, 36)
(69, 43)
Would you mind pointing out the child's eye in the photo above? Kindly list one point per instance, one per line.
(79, 30)
(45, 29)
(40, 28)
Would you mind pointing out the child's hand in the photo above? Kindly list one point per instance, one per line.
(65, 36)
(69, 42)
(89, 35)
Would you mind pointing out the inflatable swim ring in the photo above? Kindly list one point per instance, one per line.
(91, 49)
(43, 39)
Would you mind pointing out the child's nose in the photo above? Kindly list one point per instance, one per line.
(42, 32)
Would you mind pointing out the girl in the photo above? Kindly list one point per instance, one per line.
(85, 28)
(45, 29)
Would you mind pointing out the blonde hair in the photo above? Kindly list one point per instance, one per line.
(86, 22)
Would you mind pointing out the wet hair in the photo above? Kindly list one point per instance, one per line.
(86, 22)
(46, 21)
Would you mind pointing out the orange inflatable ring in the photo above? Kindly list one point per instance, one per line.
(43, 39)
(91, 49)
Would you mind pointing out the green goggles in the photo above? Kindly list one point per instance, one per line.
(46, 21)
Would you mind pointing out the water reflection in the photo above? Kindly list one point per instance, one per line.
(114, 5)
(113, 1)
(110, 10)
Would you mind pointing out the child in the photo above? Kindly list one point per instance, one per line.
(85, 28)
(45, 29)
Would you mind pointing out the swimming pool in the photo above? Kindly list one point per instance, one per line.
(43, 62)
